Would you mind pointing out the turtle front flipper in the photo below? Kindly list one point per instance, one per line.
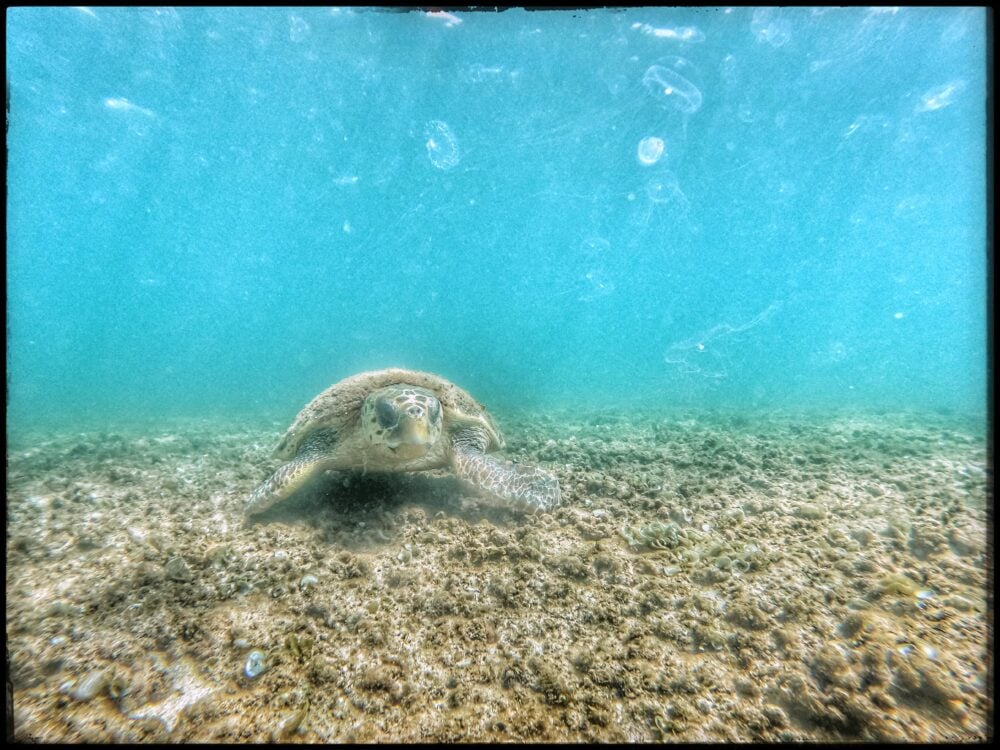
(517, 484)
(313, 457)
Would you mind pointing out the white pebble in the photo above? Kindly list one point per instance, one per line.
(91, 685)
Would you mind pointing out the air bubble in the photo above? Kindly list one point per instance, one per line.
(670, 88)
(442, 148)
(650, 150)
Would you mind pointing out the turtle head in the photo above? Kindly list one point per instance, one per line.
(403, 419)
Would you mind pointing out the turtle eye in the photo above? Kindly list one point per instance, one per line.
(386, 413)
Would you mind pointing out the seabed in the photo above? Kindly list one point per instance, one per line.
(709, 577)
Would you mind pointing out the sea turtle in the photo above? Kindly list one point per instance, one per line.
(401, 420)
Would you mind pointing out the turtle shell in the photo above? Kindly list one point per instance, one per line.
(339, 407)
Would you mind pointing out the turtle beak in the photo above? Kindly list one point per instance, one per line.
(413, 431)
(411, 438)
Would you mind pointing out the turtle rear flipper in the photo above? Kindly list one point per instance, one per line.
(517, 484)
(313, 457)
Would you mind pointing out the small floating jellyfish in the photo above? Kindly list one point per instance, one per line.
(442, 148)
(666, 189)
(650, 150)
(769, 26)
(671, 89)
(940, 97)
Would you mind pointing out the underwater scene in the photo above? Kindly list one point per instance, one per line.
(596, 375)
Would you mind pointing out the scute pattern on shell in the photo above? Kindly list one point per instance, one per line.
(339, 406)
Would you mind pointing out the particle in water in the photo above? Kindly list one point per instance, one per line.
(671, 89)
(442, 148)
(837, 351)
(899, 315)
(650, 150)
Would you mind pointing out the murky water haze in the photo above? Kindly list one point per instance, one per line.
(221, 210)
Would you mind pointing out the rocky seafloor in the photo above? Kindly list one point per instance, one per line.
(708, 577)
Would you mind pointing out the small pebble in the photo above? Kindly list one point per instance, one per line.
(58, 608)
(775, 715)
(91, 685)
(177, 569)
(863, 536)
(138, 536)
(308, 580)
(811, 512)
(960, 603)
(255, 664)
(291, 723)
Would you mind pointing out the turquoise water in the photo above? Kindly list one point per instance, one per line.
(219, 211)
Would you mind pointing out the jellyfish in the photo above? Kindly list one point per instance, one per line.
(671, 89)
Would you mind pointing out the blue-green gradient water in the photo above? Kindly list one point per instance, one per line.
(223, 211)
